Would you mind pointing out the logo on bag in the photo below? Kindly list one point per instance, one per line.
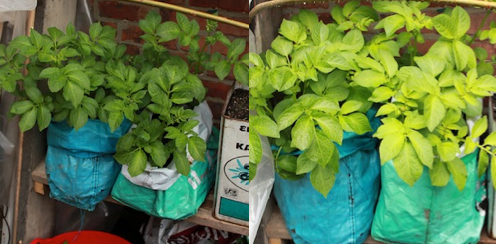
(238, 172)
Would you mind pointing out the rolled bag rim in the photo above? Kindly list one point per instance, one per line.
(346, 152)
(94, 162)
(62, 135)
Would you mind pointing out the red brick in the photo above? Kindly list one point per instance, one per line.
(132, 33)
(216, 108)
(325, 17)
(219, 47)
(312, 5)
(232, 30)
(217, 89)
(230, 5)
(119, 10)
(476, 20)
(171, 45)
(111, 24)
(176, 2)
(165, 13)
(424, 47)
(490, 48)
(132, 49)
(362, 3)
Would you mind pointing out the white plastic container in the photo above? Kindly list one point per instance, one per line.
(232, 185)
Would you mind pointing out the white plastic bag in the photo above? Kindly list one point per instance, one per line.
(260, 188)
(163, 178)
(17, 5)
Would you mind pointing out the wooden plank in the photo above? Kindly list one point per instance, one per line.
(204, 216)
(276, 227)
(39, 188)
(39, 174)
(275, 241)
(276, 230)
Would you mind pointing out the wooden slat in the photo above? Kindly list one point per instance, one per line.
(39, 174)
(275, 241)
(204, 216)
(276, 229)
(39, 188)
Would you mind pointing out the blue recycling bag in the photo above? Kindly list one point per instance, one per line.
(347, 213)
(79, 164)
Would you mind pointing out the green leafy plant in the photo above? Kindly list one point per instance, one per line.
(160, 97)
(91, 77)
(304, 81)
(328, 75)
(72, 63)
(434, 97)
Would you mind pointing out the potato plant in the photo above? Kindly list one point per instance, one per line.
(319, 79)
(89, 76)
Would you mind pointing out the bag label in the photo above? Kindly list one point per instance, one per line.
(238, 173)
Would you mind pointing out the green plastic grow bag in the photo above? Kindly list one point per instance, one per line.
(428, 214)
(182, 199)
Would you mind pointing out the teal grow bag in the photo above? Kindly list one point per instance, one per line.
(181, 199)
(346, 215)
(80, 166)
(428, 214)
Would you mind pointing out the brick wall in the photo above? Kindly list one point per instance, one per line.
(477, 15)
(124, 16)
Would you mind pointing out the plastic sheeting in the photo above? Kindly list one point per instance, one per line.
(346, 215)
(9, 9)
(260, 189)
(17, 5)
(428, 214)
(80, 167)
(182, 199)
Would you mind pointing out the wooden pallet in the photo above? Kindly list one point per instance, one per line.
(203, 217)
(277, 232)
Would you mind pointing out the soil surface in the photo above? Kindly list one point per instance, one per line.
(239, 106)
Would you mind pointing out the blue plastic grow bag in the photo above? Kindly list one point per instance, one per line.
(80, 166)
(346, 215)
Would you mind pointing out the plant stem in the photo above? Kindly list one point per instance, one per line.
(192, 12)
(201, 52)
(481, 147)
(477, 33)
(278, 152)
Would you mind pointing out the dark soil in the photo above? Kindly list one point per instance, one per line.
(238, 107)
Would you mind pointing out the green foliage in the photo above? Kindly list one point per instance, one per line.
(89, 76)
(311, 80)
(158, 91)
(71, 62)
(319, 79)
